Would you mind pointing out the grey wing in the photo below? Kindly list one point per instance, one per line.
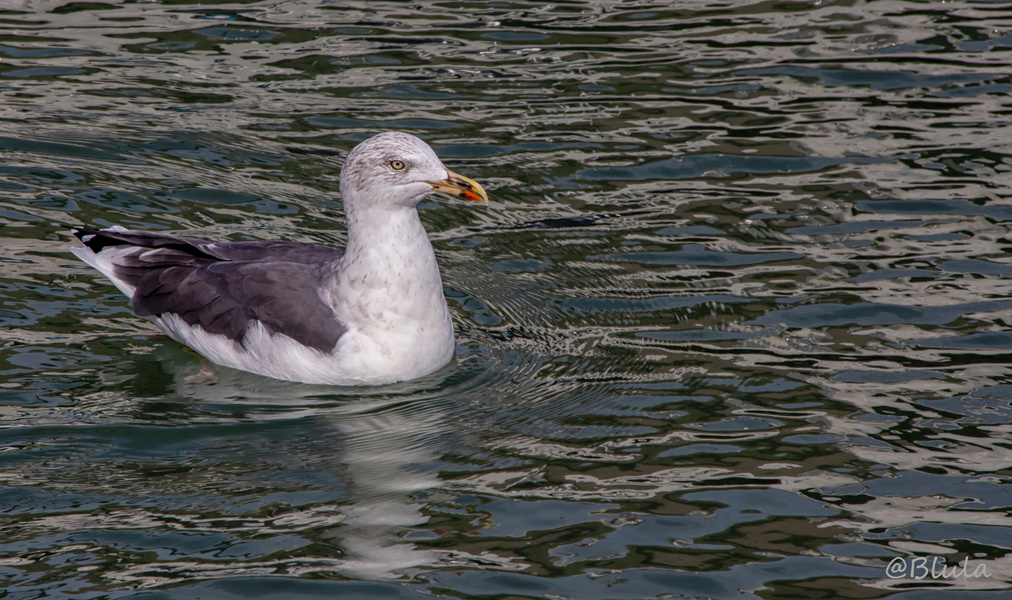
(310, 254)
(99, 239)
(223, 287)
(226, 297)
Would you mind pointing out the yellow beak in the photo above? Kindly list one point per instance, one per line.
(460, 186)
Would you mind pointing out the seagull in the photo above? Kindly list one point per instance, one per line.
(371, 315)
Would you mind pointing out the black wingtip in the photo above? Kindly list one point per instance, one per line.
(81, 232)
(96, 239)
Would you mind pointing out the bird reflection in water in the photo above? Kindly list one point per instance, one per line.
(385, 456)
(384, 445)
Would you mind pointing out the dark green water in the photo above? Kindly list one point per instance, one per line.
(737, 322)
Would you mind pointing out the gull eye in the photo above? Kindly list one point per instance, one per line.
(397, 165)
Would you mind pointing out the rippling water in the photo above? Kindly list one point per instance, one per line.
(736, 323)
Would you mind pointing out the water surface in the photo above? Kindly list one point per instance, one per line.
(736, 323)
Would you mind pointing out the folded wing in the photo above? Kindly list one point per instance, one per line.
(222, 287)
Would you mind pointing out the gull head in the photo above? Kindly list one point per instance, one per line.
(397, 169)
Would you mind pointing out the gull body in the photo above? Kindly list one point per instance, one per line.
(370, 315)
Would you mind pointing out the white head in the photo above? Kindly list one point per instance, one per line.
(397, 169)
